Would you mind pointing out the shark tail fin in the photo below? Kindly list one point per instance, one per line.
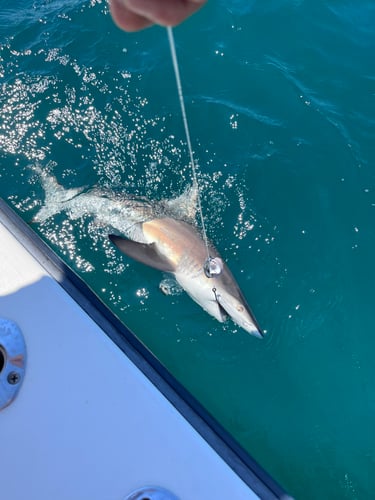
(56, 196)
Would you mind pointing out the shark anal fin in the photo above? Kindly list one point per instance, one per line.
(142, 252)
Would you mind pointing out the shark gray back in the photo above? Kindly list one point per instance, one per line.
(175, 246)
(159, 234)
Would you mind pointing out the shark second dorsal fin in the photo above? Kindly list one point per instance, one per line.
(143, 252)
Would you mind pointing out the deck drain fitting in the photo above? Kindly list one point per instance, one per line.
(12, 361)
(151, 493)
(2, 358)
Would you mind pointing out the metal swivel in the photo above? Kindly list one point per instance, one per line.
(213, 267)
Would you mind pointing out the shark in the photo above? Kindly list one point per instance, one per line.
(161, 234)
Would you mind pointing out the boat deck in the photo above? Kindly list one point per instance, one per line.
(93, 419)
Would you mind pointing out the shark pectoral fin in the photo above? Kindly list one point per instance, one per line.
(142, 252)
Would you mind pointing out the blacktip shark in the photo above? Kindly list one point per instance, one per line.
(161, 235)
(176, 247)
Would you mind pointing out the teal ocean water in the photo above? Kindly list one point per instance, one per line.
(280, 97)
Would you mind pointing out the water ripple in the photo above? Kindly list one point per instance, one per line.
(243, 110)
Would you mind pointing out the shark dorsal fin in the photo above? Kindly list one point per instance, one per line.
(142, 252)
(183, 207)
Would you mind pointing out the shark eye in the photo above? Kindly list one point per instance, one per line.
(240, 308)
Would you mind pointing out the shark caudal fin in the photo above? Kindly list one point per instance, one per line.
(56, 196)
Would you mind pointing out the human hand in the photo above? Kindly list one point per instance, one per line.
(134, 15)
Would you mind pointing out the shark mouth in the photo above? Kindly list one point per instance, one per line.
(241, 315)
(222, 313)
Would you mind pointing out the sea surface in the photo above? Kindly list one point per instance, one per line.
(280, 98)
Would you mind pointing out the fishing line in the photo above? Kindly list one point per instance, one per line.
(207, 266)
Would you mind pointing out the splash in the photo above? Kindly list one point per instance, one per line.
(169, 286)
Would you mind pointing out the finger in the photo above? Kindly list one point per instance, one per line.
(127, 19)
(165, 12)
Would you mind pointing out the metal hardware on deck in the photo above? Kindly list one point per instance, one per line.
(12, 361)
(2, 358)
(151, 493)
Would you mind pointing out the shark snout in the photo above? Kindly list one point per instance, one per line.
(240, 313)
